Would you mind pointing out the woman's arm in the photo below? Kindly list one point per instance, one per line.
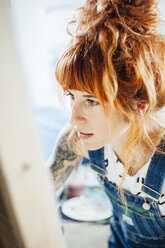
(64, 158)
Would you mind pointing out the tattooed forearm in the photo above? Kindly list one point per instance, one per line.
(60, 176)
(64, 161)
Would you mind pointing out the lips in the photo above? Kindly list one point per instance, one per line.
(84, 135)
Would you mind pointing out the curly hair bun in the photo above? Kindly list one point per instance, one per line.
(138, 16)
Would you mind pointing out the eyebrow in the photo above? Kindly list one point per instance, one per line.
(91, 96)
(88, 95)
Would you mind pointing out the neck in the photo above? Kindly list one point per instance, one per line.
(142, 151)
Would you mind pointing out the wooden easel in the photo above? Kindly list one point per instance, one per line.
(28, 216)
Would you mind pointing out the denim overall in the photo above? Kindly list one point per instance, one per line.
(134, 227)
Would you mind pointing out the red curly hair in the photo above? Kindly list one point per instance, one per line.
(117, 55)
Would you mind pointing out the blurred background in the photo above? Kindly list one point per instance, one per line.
(40, 28)
(41, 38)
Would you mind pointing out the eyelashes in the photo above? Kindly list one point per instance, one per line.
(89, 101)
(69, 94)
(92, 102)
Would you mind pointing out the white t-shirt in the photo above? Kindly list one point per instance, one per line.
(132, 184)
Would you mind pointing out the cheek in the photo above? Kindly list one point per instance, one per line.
(99, 122)
(109, 128)
(103, 126)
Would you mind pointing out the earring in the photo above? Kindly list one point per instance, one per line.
(141, 105)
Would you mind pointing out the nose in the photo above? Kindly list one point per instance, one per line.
(77, 115)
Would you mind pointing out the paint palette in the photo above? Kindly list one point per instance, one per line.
(87, 208)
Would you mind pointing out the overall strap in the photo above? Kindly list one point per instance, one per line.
(97, 162)
(155, 176)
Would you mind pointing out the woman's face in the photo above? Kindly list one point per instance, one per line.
(88, 118)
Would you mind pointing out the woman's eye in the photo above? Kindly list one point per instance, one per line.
(69, 95)
(92, 102)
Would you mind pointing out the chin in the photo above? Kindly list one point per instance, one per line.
(92, 147)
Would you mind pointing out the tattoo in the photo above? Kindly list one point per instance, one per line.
(65, 160)
(61, 176)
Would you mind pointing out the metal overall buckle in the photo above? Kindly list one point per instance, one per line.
(146, 205)
(100, 176)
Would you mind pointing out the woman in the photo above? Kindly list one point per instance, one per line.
(114, 73)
